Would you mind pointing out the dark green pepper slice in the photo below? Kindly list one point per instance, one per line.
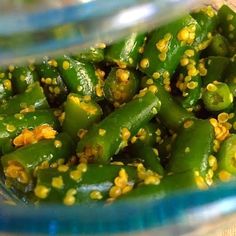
(120, 86)
(93, 54)
(32, 98)
(12, 125)
(170, 184)
(80, 114)
(148, 155)
(216, 67)
(52, 83)
(226, 158)
(192, 147)
(22, 77)
(79, 77)
(5, 84)
(21, 164)
(230, 76)
(126, 53)
(217, 96)
(107, 138)
(227, 23)
(219, 46)
(166, 46)
(81, 184)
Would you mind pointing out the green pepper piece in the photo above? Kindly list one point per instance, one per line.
(219, 46)
(192, 147)
(79, 77)
(166, 46)
(81, 184)
(5, 84)
(126, 53)
(21, 164)
(33, 97)
(22, 77)
(107, 138)
(148, 155)
(189, 80)
(217, 96)
(171, 114)
(12, 125)
(207, 19)
(226, 157)
(227, 24)
(80, 114)
(120, 86)
(93, 55)
(216, 67)
(54, 88)
(170, 184)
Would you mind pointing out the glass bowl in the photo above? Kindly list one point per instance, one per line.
(195, 212)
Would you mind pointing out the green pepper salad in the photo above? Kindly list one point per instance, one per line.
(144, 117)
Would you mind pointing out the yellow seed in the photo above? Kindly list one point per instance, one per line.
(115, 192)
(57, 182)
(52, 63)
(66, 65)
(156, 75)
(133, 139)
(48, 80)
(101, 132)
(122, 75)
(223, 117)
(127, 189)
(211, 87)
(125, 134)
(7, 84)
(192, 85)
(96, 195)
(41, 191)
(200, 183)
(162, 56)
(188, 124)
(120, 182)
(187, 149)
(183, 35)
(82, 167)
(69, 200)
(184, 61)
(168, 36)
(224, 176)
(10, 128)
(212, 161)
(189, 53)
(149, 81)
(144, 63)
(153, 89)
(123, 174)
(75, 175)
(63, 168)
(152, 180)
(57, 143)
